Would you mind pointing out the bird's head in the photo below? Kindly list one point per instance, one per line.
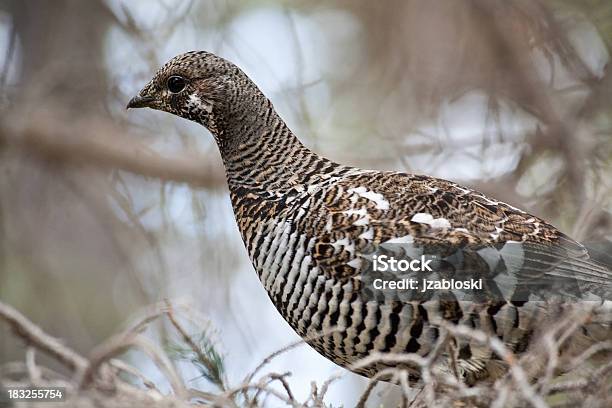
(202, 87)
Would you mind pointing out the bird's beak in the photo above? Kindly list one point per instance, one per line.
(140, 102)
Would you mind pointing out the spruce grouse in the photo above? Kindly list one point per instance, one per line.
(309, 224)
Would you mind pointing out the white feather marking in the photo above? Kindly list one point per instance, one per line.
(406, 239)
(489, 201)
(294, 270)
(362, 212)
(437, 223)
(196, 102)
(369, 234)
(422, 218)
(345, 244)
(514, 208)
(440, 223)
(311, 189)
(357, 190)
(495, 235)
(328, 224)
(378, 198)
(362, 221)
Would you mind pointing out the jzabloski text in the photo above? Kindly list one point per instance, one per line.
(385, 263)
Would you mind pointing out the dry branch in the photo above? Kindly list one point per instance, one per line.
(438, 386)
(36, 337)
(92, 141)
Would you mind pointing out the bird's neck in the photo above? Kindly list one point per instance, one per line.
(263, 157)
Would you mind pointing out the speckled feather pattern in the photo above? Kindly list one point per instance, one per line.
(305, 219)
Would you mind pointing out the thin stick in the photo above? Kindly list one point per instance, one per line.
(36, 337)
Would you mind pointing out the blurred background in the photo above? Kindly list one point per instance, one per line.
(103, 211)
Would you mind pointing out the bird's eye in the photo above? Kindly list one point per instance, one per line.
(176, 84)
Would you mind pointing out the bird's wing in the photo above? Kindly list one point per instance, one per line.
(367, 212)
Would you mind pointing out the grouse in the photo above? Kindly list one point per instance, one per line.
(313, 228)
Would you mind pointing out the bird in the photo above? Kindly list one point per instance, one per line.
(312, 227)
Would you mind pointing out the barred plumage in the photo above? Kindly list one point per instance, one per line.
(306, 221)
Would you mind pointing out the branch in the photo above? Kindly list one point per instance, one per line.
(35, 336)
(92, 141)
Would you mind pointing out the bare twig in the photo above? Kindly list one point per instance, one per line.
(36, 337)
(519, 375)
(33, 370)
(101, 143)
